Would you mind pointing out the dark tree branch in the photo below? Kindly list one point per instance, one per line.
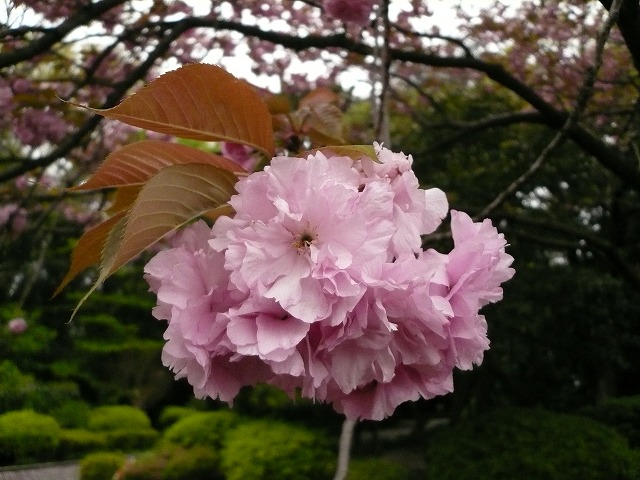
(611, 158)
(607, 155)
(629, 25)
(465, 129)
(585, 93)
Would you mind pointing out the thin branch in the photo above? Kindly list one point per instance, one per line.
(465, 129)
(433, 36)
(381, 123)
(584, 95)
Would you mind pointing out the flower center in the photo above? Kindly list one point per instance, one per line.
(304, 240)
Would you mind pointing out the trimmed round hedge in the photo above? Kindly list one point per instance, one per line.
(27, 436)
(196, 463)
(117, 417)
(622, 413)
(125, 427)
(100, 465)
(530, 445)
(174, 463)
(76, 442)
(173, 413)
(260, 450)
(206, 429)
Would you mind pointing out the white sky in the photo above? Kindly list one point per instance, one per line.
(443, 16)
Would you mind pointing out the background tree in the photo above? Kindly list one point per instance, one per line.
(477, 106)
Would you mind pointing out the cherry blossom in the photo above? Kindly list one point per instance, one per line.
(319, 283)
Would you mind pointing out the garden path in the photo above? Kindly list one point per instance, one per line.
(51, 471)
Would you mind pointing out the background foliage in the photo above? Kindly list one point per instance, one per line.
(476, 103)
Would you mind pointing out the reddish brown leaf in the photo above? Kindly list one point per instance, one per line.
(199, 102)
(123, 199)
(88, 250)
(324, 124)
(319, 96)
(170, 199)
(278, 104)
(135, 163)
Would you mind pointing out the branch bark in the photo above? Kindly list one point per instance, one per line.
(629, 24)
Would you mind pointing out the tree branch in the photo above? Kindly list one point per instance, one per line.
(584, 95)
(629, 24)
(465, 129)
(607, 155)
(92, 122)
(83, 16)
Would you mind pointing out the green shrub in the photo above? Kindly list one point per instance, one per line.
(173, 413)
(377, 469)
(48, 396)
(27, 436)
(622, 413)
(197, 463)
(14, 386)
(202, 429)
(266, 449)
(148, 466)
(529, 445)
(76, 442)
(100, 465)
(72, 414)
(174, 463)
(132, 439)
(117, 417)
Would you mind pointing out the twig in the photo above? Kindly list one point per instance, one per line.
(381, 123)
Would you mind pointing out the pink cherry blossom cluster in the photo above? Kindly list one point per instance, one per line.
(356, 11)
(319, 284)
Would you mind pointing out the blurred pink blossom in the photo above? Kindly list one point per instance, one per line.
(354, 11)
(36, 127)
(17, 325)
(21, 85)
(13, 217)
(6, 95)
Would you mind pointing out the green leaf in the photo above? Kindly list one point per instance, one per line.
(355, 152)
